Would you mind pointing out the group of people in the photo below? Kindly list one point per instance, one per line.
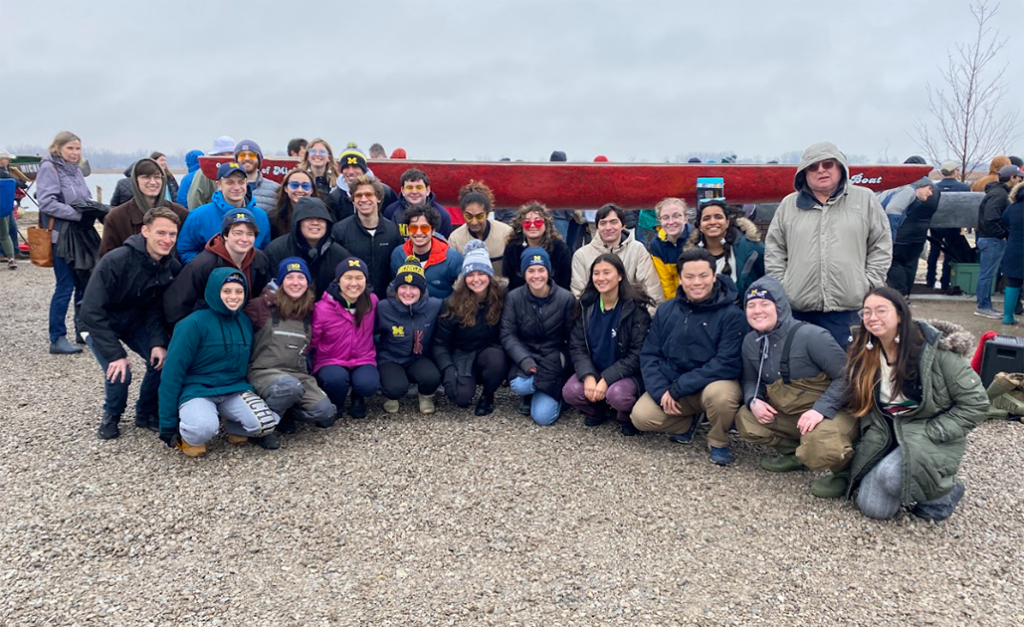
(249, 330)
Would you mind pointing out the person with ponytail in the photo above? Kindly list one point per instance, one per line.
(732, 240)
(917, 398)
(476, 201)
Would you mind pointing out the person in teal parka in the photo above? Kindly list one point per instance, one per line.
(732, 240)
(203, 378)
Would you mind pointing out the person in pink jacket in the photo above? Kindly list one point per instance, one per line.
(344, 356)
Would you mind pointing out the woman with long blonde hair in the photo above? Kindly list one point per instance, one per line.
(319, 162)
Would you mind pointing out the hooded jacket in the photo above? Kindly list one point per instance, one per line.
(932, 437)
(996, 164)
(561, 262)
(396, 211)
(208, 355)
(321, 259)
(337, 341)
(801, 247)
(630, 333)
(125, 220)
(204, 222)
(375, 250)
(278, 343)
(456, 346)
(990, 211)
(537, 335)
(58, 184)
(665, 256)
(184, 295)
(747, 253)
(812, 352)
(634, 256)
(693, 344)
(192, 161)
(126, 188)
(441, 269)
(405, 330)
(1013, 222)
(125, 291)
(917, 218)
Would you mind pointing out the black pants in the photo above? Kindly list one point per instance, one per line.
(490, 368)
(395, 378)
(947, 239)
(904, 267)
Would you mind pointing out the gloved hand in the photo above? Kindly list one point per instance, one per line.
(451, 378)
(170, 438)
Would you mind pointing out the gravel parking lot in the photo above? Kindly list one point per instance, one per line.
(458, 520)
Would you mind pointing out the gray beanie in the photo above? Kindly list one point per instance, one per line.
(476, 258)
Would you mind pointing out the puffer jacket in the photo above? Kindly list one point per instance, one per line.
(321, 259)
(337, 341)
(375, 250)
(405, 330)
(812, 352)
(747, 252)
(665, 255)
(204, 222)
(634, 256)
(192, 161)
(630, 333)
(456, 346)
(441, 268)
(58, 184)
(1013, 222)
(801, 248)
(561, 262)
(264, 193)
(123, 189)
(933, 436)
(994, 166)
(536, 335)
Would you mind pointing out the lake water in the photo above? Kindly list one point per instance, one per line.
(105, 180)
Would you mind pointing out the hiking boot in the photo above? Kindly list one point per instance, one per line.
(830, 486)
(524, 404)
(687, 436)
(426, 404)
(781, 463)
(989, 313)
(108, 427)
(189, 450)
(148, 421)
(288, 424)
(61, 346)
(391, 406)
(237, 440)
(628, 430)
(721, 456)
(358, 407)
(270, 442)
(593, 421)
(484, 406)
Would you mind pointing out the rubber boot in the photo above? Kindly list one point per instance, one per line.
(1010, 296)
(358, 407)
(108, 427)
(832, 486)
(786, 460)
(484, 406)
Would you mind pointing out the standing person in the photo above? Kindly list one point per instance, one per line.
(441, 262)
(192, 163)
(311, 241)
(204, 222)
(297, 148)
(691, 360)
(824, 281)
(605, 346)
(666, 246)
(377, 151)
(1013, 259)
(793, 390)
(997, 164)
(535, 327)
(123, 304)
(467, 342)
(340, 201)
(59, 184)
(416, 192)
(565, 219)
(201, 191)
(262, 191)
(910, 236)
(9, 223)
(319, 162)
(149, 188)
(948, 238)
(613, 238)
(732, 240)
(278, 369)
(476, 200)
(991, 236)
(203, 380)
(916, 399)
(368, 235)
(533, 227)
(406, 321)
(344, 356)
(295, 186)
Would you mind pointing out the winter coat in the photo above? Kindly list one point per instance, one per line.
(630, 333)
(537, 336)
(337, 341)
(634, 256)
(405, 330)
(125, 220)
(201, 191)
(813, 351)
(932, 437)
(396, 211)
(125, 291)
(321, 260)
(264, 195)
(208, 355)
(990, 211)
(441, 269)
(456, 346)
(801, 247)
(981, 185)
(339, 203)
(693, 344)
(1013, 222)
(665, 254)
(375, 250)
(123, 189)
(192, 161)
(951, 185)
(278, 343)
(184, 295)
(558, 251)
(747, 252)
(58, 184)
(204, 222)
(495, 237)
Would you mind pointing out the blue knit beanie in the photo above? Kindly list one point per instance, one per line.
(533, 256)
(292, 264)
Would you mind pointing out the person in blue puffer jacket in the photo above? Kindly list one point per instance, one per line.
(192, 161)
(204, 222)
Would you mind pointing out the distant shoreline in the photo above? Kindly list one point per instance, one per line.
(121, 171)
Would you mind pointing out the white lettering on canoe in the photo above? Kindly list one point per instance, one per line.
(860, 179)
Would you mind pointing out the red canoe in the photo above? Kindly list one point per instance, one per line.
(590, 185)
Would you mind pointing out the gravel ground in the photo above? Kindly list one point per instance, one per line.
(458, 520)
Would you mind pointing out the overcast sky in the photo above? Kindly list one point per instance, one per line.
(467, 80)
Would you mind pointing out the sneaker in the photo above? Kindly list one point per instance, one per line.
(989, 313)
(148, 421)
(61, 346)
(687, 437)
(12, 264)
(1012, 322)
(237, 440)
(391, 406)
(830, 486)
(358, 407)
(484, 406)
(191, 451)
(781, 463)
(270, 442)
(721, 456)
(108, 427)
(937, 285)
(79, 338)
(628, 430)
(426, 404)
(593, 421)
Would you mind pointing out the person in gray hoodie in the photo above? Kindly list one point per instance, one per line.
(793, 388)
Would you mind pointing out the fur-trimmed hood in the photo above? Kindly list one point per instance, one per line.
(947, 336)
(746, 227)
(1016, 194)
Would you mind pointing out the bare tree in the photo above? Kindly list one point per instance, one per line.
(967, 123)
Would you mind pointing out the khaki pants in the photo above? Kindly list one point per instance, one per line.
(828, 447)
(719, 401)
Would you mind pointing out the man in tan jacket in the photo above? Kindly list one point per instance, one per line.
(829, 243)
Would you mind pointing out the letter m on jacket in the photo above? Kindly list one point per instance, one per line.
(398, 331)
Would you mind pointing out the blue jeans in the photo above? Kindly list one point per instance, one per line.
(116, 393)
(837, 323)
(567, 227)
(543, 409)
(69, 281)
(990, 255)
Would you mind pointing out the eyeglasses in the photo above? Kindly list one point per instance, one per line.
(419, 228)
(878, 312)
(533, 224)
(317, 152)
(151, 177)
(248, 154)
(827, 164)
(414, 188)
(358, 195)
(305, 186)
(475, 218)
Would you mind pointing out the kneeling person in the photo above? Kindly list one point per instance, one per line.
(793, 388)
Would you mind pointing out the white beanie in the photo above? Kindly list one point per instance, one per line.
(476, 258)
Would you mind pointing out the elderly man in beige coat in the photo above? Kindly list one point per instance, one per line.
(829, 243)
